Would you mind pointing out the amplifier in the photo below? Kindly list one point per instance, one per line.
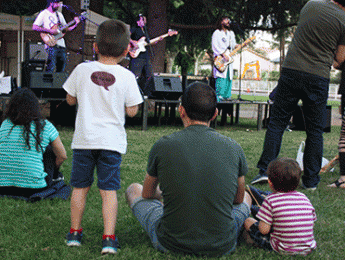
(35, 51)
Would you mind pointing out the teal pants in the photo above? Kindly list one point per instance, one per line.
(223, 88)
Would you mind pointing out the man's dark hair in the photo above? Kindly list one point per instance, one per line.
(200, 101)
(285, 174)
(52, 1)
(24, 109)
(112, 38)
(219, 22)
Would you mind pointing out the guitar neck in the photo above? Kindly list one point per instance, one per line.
(241, 46)
(157, 38)
(62, 28)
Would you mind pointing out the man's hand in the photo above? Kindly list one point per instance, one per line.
(225, 58)
(53, 31)
(76, 19)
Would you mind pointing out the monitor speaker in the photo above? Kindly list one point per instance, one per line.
(35, 51)
(48, 85)
(166, 87)
(47, 80)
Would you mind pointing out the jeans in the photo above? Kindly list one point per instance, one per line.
(142, 69)
(56, 59)
(313, 91)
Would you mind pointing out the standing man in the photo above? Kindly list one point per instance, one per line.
(47, 23)
(141, 65)
(318, 41)
(201, 181)
(223, 39)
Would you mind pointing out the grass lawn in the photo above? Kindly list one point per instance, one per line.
(37, 231)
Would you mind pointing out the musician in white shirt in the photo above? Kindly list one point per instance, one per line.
(46, 22)
(222, 39)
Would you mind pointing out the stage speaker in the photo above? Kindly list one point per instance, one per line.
(298, 121)
(27, 68)
(166, 87)
(35, 51)
(47, 80)
(187, 80)
(48, 85)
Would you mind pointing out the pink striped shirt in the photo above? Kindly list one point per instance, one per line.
(291, 216)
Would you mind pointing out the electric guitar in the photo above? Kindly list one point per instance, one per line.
(221, 64)
(139, 46)
(51, 40)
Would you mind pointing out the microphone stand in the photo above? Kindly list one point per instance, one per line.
(241, 32)
(81, 49)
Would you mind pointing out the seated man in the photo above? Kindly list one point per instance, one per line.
(201, 181)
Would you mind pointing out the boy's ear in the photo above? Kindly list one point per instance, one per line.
(95, 48)
(126, 50)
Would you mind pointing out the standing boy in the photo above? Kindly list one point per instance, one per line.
(286, 216)
(104, 91)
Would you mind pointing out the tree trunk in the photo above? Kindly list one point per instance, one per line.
(157, 25)
(170, 57)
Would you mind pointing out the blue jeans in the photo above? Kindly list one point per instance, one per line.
(313, 91)
(56, 59)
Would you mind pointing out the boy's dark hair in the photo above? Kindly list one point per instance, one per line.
(285, 174)
(219, 22)
(24, 109)
(200, 101)
(112, 38)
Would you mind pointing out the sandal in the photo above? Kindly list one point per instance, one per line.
(338, 184)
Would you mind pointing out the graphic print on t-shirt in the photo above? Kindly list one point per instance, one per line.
(103, 79)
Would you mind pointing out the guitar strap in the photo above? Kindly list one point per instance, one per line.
(58, 18)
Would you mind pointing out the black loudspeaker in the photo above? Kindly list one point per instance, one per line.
(47, 80)
(27, 68)
(48, 85)
(192, 79)
(166, 87)
(298, 119)
(35, 51)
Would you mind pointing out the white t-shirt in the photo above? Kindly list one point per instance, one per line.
(220, 42)
(102, 92)
(47, 20)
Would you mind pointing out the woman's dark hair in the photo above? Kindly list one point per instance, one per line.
(23, 109)
(284, 173)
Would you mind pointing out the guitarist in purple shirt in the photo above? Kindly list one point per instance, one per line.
(47, 23)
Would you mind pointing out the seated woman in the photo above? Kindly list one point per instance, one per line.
(31, 151)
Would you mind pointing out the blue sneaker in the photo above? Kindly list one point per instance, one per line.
(260, 178)
(110, 246)
(74, 239)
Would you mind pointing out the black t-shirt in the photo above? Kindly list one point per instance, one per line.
(136, 34)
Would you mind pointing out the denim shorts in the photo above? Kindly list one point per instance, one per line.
(262, 241)
(150, 211)
(108, 169)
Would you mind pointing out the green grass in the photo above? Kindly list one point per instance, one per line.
(37, 231)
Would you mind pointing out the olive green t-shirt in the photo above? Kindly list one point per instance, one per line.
(198, 171)
(320, 29)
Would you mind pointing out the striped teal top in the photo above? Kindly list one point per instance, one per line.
(19, 165)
